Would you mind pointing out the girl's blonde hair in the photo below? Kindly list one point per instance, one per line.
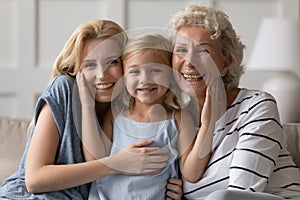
(159, 46)
(69, 59)
(218, 23)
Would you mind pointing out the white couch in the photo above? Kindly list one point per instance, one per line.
(13, 137)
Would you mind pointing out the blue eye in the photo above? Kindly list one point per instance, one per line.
(202, 51)
(134, 72)
(180, 50)
(156, 70)
(89, 64)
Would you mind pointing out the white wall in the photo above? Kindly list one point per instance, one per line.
(34, 31)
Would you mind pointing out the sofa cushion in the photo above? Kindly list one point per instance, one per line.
(292, 131)
(13, 139)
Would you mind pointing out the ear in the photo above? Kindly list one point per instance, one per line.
(226, 65)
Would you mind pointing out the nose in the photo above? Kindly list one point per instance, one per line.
(190, 59)
(145, 77)
(100, 72)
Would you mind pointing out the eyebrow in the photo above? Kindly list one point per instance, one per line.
(198, 44)
(132, 66)
(108, 58)
(89, 60)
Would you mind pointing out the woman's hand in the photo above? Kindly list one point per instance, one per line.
(86, 91)
(137, 159)
(174, 189)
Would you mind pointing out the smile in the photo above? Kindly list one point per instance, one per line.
(146, 90)
(104, 86)
(192, 77)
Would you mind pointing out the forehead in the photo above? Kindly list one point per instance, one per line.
(193, 35)
(101, 49)
(147, 57)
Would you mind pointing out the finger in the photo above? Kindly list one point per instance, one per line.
(157, 150)
(156, 166)
(175, 181)
(150, 171)
(78, 76)
(142, 143)
(158, 159)
(174, 188)
(173, 195)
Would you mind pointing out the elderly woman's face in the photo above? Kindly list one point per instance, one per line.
(197, 59)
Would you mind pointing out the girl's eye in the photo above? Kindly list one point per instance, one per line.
(134, 72)
(89, 64)
(156, 70)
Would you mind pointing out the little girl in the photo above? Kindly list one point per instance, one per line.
(150, 110)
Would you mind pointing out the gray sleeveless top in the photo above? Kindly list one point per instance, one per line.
(61, 95)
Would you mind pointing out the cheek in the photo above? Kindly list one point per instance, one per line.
(117, 73)
(130, 84)
(177, 62)
(90, 75)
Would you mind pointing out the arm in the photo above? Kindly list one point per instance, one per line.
(43, 175)
(94, 143)
(195, 151)
(194, 160)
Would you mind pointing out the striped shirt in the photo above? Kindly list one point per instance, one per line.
(249, 151)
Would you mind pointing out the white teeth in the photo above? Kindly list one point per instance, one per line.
(192, 76)
(146, 89)
(103, 86)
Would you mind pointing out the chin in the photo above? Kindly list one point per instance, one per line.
(104, 98)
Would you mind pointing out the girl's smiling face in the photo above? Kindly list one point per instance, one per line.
(102, 67)
(147, 77)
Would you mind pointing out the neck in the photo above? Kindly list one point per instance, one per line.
(101, 109)
(230, 97)
(148, 113)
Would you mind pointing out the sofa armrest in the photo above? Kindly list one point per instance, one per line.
(292, 131)
(13, 138)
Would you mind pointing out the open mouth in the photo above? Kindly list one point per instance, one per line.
(104, 86)
(192, 77)
(146, 90)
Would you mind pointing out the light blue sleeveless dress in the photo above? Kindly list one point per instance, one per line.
(126, 132)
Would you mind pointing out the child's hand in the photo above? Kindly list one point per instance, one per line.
(86, 91)
(138, 159)
(174, 189)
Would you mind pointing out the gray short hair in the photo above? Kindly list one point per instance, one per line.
(218, 22)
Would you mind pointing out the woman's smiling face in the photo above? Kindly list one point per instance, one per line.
(197, 59)
(102, 67)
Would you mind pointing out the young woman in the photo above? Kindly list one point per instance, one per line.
(53, 164)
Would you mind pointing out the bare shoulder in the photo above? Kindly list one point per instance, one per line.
(183, 118)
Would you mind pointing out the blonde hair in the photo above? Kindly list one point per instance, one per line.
(68, 61)
(218, 23)
(159, 46)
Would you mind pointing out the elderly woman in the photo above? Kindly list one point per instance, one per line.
(248, 155)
